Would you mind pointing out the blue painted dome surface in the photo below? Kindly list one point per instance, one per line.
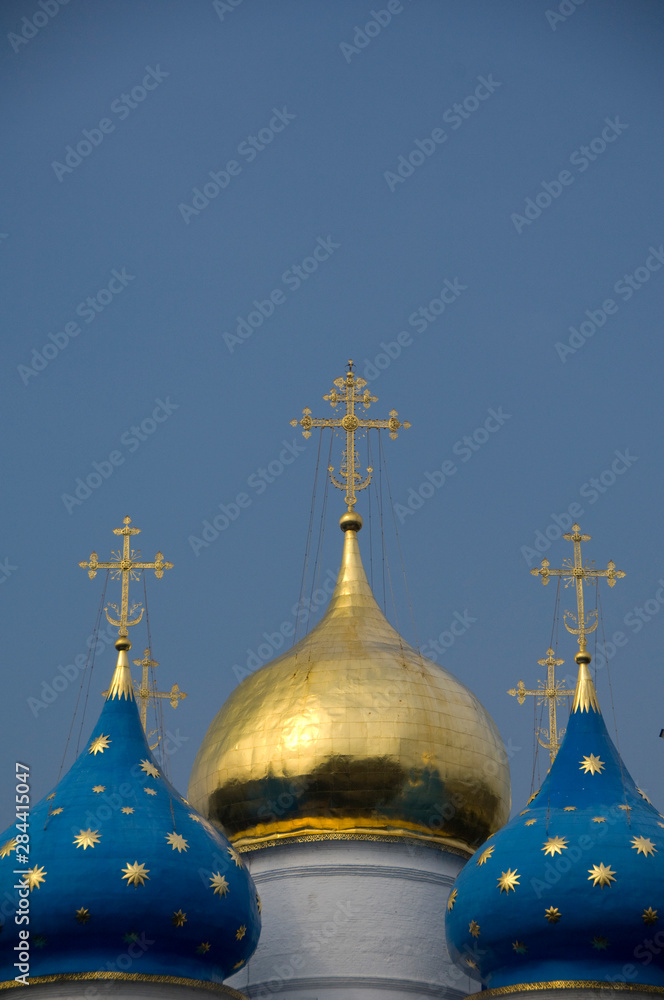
(573, 887)
(125, 875)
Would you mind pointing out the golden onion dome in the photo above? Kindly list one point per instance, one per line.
(352, 732)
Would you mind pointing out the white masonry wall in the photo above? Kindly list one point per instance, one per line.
(353, 919)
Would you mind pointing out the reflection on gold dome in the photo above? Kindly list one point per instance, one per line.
(353, 732)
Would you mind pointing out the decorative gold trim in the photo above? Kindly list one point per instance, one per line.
(63, 977)
(245, 844)
(566, 984)
(585, 696)
(121, 683)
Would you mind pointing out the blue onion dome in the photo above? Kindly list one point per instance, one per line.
(572, 888)
(122, 875)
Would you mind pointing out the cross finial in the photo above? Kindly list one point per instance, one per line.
(349, 391)
(146, 693)
(124, 564)
(552, 691)
(576, 572)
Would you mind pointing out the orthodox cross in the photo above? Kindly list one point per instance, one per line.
(351, 394)
(145, 693)
(124, 565)
(575, 572)
(552, 691)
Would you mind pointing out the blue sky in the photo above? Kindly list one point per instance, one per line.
(207, 208)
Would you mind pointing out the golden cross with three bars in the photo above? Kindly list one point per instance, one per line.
(124, 564)
(552, 691)
(145, 693)
(575, 572)
(350, 393)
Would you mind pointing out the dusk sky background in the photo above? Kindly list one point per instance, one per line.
(552, 264)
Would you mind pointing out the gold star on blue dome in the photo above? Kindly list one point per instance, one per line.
(601, 875)
(591, 764)
(642, 845)
(99, 744)
(177, 842)
(219, 884)
(136, 874)
(509, 880)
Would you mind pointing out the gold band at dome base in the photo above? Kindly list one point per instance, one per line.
(566, 984)
(137, 977)
(303, 834)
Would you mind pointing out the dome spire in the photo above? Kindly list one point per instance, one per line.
(125, 565)
(350, 393)
(585, 696)
(121, 685)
